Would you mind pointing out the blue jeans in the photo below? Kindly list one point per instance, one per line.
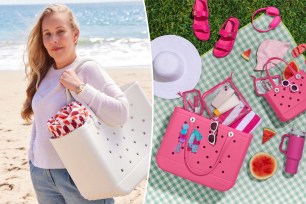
(56, 186)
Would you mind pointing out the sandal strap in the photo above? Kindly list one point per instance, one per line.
(197, 13)
(231, 35)
(301, 48)
(201, 27)
(223, 47)
(298, 50)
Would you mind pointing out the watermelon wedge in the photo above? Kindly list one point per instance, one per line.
(246, 54)
(267, 134)
(287, 72)
(263, 166)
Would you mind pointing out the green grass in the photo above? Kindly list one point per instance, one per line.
(173, 17)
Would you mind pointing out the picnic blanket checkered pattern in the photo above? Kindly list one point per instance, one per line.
(281, 188)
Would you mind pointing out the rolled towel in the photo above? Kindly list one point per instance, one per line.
(66, 120)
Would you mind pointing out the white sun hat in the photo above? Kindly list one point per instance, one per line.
(176, 66)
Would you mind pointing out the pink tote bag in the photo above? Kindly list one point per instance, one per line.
(186, 152)
(288, 98)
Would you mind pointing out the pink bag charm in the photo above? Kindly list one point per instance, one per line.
(287, 99)
(69, 118)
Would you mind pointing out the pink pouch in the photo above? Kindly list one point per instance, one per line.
(262, 84)
(215, 166)
(192, 101)
(288, 98)
(233, 114)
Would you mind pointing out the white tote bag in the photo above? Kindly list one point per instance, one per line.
(106, 161)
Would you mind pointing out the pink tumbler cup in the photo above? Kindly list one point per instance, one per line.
(294, 150)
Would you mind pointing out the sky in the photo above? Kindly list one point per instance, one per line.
(55, 1)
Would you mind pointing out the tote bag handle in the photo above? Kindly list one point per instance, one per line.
(69, 94)
(203, 173)
(225, 145)
(267, 71)
(75, 67)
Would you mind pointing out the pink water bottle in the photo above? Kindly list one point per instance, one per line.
(294, 150)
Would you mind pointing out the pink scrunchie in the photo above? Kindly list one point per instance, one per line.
(69, 118)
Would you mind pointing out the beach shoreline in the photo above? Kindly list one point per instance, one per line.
(15, 182)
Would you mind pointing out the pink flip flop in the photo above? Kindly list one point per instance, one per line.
(228, 32)
(200, 15)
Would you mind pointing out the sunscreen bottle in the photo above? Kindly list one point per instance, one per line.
(227, 105)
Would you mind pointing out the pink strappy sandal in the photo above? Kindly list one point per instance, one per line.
(298, 50)
(228, 32)
(200, 15)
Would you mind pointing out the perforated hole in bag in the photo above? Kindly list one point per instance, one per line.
(129, 143)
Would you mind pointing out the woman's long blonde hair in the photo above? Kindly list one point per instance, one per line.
(38, 59)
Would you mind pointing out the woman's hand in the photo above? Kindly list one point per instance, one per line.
(70, 80)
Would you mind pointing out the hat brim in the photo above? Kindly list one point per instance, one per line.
(192, 63)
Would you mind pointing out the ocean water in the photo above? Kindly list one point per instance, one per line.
(115, 34)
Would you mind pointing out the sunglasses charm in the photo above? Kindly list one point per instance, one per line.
(293, 87)
(182, 137)
(212, 137)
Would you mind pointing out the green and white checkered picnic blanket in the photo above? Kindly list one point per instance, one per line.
(166, 188)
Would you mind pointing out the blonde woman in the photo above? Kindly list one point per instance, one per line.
(51, 50)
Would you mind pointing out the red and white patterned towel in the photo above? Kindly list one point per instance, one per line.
(69, 118)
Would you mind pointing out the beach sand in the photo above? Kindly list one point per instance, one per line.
(15, 182)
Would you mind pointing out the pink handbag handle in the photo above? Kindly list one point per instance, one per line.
(198, 173)
(267, 71)
(281, 144)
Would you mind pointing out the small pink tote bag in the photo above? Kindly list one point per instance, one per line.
(288, 98)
